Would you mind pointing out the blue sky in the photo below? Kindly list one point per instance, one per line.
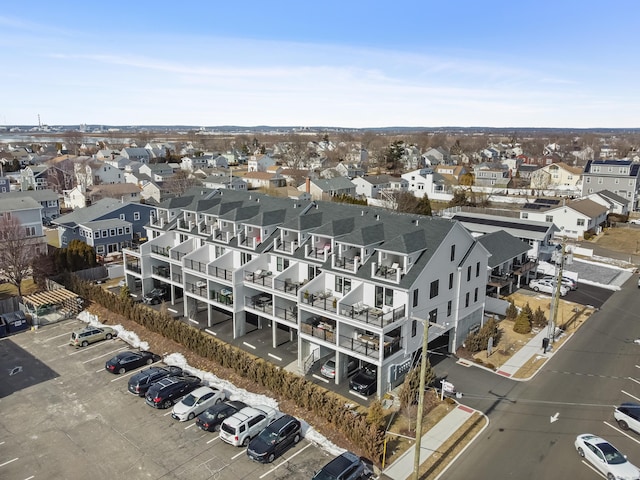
(350, 63)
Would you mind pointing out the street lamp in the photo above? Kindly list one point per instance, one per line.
(423, 373)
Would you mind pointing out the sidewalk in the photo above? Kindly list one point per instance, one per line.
(402, 468)
(531, 349)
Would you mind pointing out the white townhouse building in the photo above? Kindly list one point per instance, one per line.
(323, 279)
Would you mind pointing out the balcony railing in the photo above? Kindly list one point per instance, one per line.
(199, 288)
(367, 345)
(161, 271)
(177, 255)
(220, 272)
(288, 286)
(322, 331)
(164, 251)
(261, 302)
(133, 267)
(176, 277)
(350, 264)
(195, 265)
(249, 242)
(290, 313)
(318, 252)
(222, 235)
(259, 277)
(223, 296)
(371, 315)
(323, 300)
(285, 246)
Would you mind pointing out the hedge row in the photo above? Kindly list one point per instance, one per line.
(305, 394)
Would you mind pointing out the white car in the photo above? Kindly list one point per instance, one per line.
(628, 416)
(568, 282)
(197, 402)
(635, 221)
(546, 286)
(606, 458)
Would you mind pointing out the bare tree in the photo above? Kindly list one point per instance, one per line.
(17, 251)
(180, 182)
(74, 140)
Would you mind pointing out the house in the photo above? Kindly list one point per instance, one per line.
(324, 188)
(107, 225)
(354, 282)
(155, 191)
(141, 155)
(48, 200)
(27, 213)
(225, 182)
(573, 218)
(436, 156)
(617, 176)
(351, 170)
(260, 162)
(491, 175)
(451, 173)
(158, 172)
(34, 177)
(424, 181)
(125, 192)
(257, 179)
(371, 185)
(614, 203)
(97, 173)
(556, 175)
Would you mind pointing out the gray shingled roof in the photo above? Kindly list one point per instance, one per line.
(503, 247)
(88, 214)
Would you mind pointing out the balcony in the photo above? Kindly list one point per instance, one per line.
(175, 255)
(161, 271)
(261, 302)
(133, 267)
(223, 296)
(391, 273)
(285, 246)
(289, 314)
(199, 288)
(322, 299)
(158, 250)
(288, 286)
(249, 242)
(350, 264)
(321, 328)
(318, 252)
(195, 265)
(371, 315)
(185, 225)
(222, 235)
(368, 344)
(220, 272)
(259, 277)
(522, 268)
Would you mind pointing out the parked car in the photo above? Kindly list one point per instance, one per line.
(328, 368)
(241, 427)
(211, 419)
(167, 391)
(197, 402)
(628, 416)
(125, 361)
(570, 283)
(635, 221)
(156, 296)
(605, 457)
(546, 286)
(365, 381)
(82, 338)
(275, 439)
(141, 381)
(347, 466)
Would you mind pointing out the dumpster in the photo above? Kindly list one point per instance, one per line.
(15, 321)
(3, 328)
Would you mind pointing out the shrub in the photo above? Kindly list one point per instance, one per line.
(375, 414)
(522, 324)
(480, 340)
(539, 320)
(512, 311)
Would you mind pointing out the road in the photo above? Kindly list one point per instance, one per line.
(595, 370)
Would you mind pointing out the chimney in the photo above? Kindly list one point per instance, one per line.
(308, 185)
(377, 217)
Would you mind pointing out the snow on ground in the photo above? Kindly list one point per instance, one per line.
(232, 392)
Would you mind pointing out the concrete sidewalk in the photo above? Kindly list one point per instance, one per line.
(530, 350)
(402, 468)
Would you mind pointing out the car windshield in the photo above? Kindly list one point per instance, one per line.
(613, 456)
(189, 400)
(268, 436)
(323, 475)
(368, 372)
(330, 364)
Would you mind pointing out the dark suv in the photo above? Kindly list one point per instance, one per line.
(275, 439)
(365, 381)
(169, 390)
(347, 466)
(141, 381)
(156, 296)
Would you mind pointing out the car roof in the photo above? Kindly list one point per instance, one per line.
(589, 437)
(340, 463)
(629, 405)
(243, 415)
(281, 422)
(202, 390)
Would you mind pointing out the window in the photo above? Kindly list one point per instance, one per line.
(120, 231)
(525, 215)
(617, 181)
(415, 297)
(478, 269)
(244, 258)
(414, 328)
(97, 233)
(105, 233)
(433, 316)
(600, 181)
(449, 308)
(466, 299)
(127, 230)
(453, 252)
(588, 179)
(450, 281)
(281, 263)
(136, 216)
(433, 291)
(581, 222)
(548, 218)
(388, 297)
(100, 249)
(384, 296)
(469, 273)
(30, 231)
(122, 216)
(475, 295)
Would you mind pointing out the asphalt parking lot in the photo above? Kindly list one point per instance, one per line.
(62, 416)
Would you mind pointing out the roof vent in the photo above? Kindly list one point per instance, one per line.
(377, 217)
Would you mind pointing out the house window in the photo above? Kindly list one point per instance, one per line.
(281, 263)
(30, 231)
(120, 231)
(414, 328)
(433, 316)
(525, 215)
(449, 303)
(415, 297)
(469, 273)
(588, 179)
(548, 218)
(105, 233)
(136, 216)
(581, 222)
(127, 230)
(244, 258)
(433, 291)
(617, 181)
(466, 299)
(112, 232)
(450, 281)
(475, 295)
(478, 269)
(97, 233)
(122, 216)
(100, 249)
(600, 181)
(453, 252)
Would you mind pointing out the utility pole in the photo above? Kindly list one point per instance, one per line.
(423, 372)
(555, 299)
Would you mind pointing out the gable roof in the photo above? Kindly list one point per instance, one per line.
(93, 212)
(503, 247)
(329, 184)
(587, 207)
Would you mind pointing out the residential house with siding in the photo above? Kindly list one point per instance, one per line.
(28, 213)
(48, 200)
(617, 176)
(572, 218)
(370, 186)
(556, 175)
(324, 188)
(354, 282)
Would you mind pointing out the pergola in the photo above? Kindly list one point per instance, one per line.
(52, 304)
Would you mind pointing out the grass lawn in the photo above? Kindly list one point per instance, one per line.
(8, 290)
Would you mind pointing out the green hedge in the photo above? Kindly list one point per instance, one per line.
(305, 394)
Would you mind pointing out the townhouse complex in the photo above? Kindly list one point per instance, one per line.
(356, 282)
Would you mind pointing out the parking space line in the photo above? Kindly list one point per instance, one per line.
(168, 413)
(84, 349)
(634, 397)
(211, 332)
(634, 380)
(189, 426)
(622, 432)
(213, 439)
(284, 461)
(172, 310)
(593, 468)
(104, 355)
(129, 373)
(318, 377)
(29, 478)
(1, 443)
(358, 395)
(58, 336)
(243, 452)
(273, 356)
(10, 461)
(193, 321)
(249, 345)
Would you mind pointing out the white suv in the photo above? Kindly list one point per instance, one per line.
(628, 416)
(242, 426)
(543, 285)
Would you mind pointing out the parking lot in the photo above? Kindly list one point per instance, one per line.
(63, 416)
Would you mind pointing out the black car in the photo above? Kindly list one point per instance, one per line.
(169, 390)
(126, 361)
(211, 419)
(275, 439)
(365, 381)
(141, 381)
(347, 466)
(156, 296)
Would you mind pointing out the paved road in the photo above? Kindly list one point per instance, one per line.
(595, 370)
(584, 295)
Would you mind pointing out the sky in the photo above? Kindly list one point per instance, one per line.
(352, 64)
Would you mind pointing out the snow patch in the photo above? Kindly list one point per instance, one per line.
(129, 337)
